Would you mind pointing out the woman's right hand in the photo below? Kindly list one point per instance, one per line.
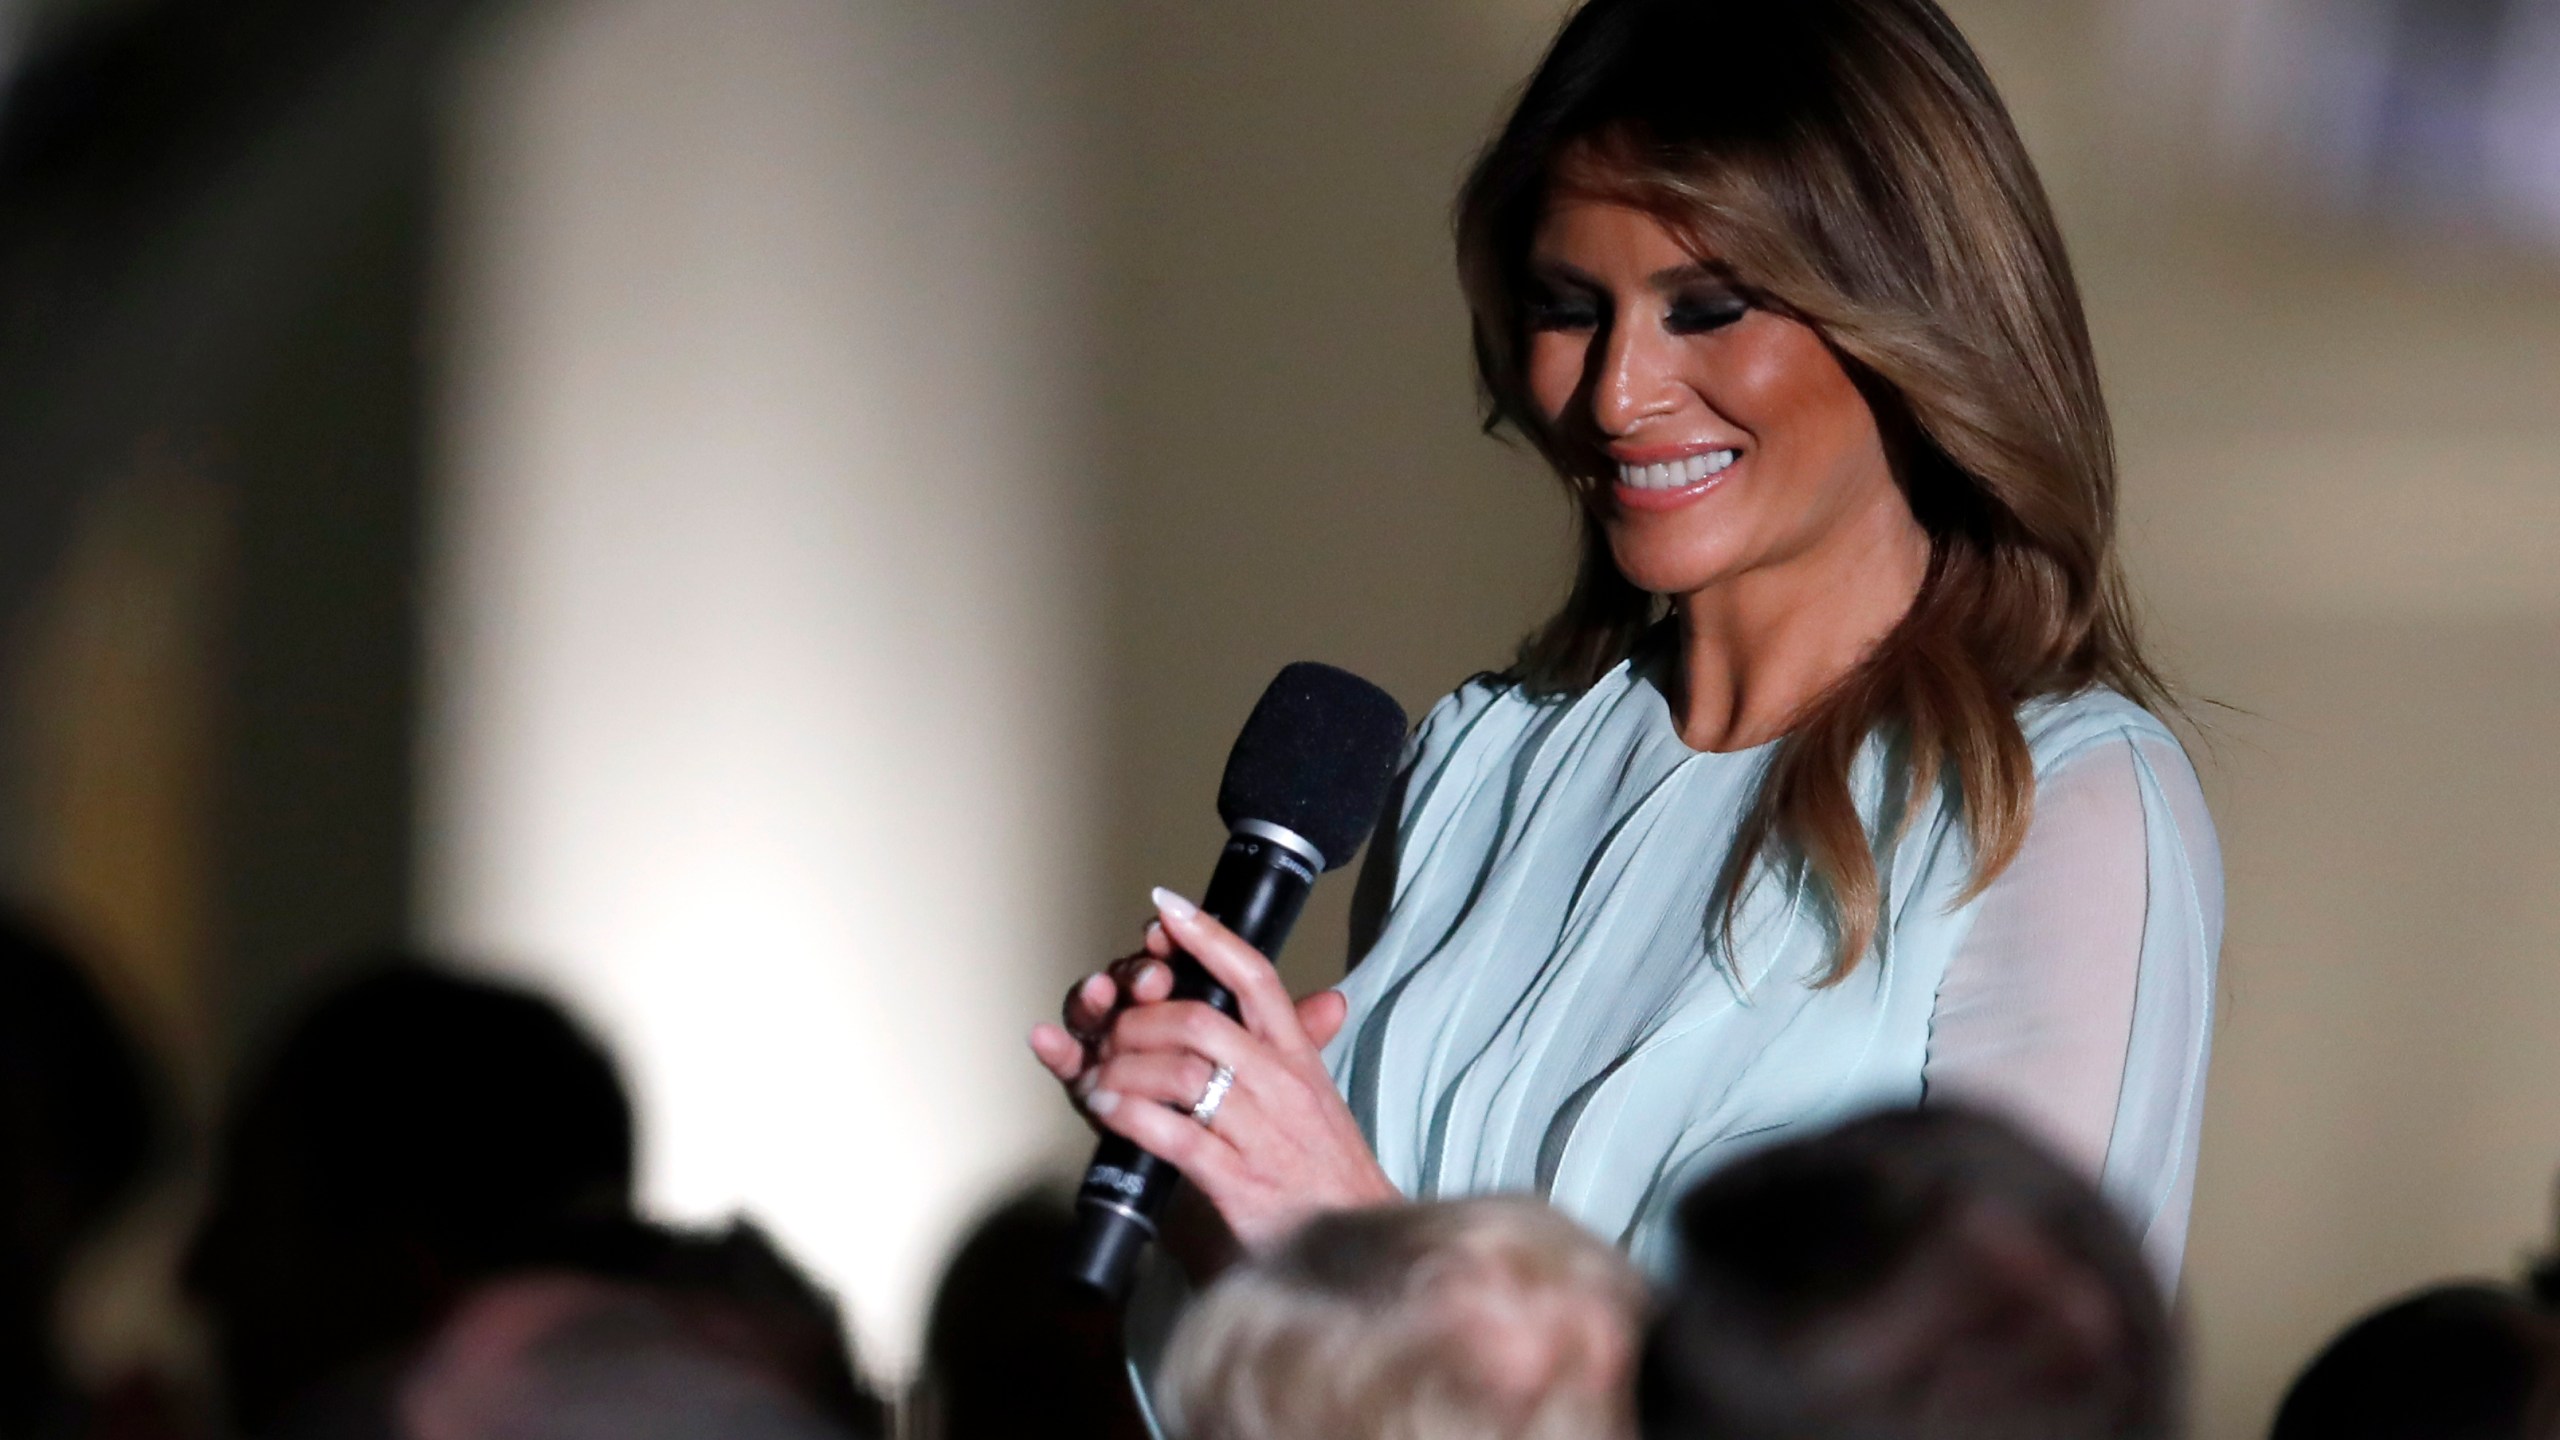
(1073, 1047)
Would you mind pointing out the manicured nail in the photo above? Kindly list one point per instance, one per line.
(1173, 906)
(1102, 1102)
(1145, 973)
(1084, 987)
(1083, 1088)
(1155, 930)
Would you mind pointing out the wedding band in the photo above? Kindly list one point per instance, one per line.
(1221, 1080)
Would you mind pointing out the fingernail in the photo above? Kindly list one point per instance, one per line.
(1145, 974)
(1084, 1086)
(1085, 986)
(1155, 930)
(1173, 906)
(1102, 1102)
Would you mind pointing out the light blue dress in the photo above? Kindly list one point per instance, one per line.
(1549, 1006)
(1544, 1002)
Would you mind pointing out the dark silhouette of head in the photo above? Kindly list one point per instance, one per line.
(735, 1289)
(641, 1330)
(77, 1129)
(1913, 1275)
(1010, 1349)
(414, 1133)
(2456, 1362)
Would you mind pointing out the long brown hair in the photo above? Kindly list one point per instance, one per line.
(1849, 164)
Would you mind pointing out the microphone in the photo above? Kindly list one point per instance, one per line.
(1302, 788)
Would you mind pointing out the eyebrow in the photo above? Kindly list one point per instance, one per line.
(1671, 278)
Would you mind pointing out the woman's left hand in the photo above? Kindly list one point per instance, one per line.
(1282, 1145)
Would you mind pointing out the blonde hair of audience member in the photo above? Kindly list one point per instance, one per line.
(1489, 1319)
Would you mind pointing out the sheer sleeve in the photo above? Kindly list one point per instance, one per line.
(2080, 1001)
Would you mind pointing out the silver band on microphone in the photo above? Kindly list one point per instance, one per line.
(1284, 837)
(1132, 1216)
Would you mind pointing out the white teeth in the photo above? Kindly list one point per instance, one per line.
(1671, 474)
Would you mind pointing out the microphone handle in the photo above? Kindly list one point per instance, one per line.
(1256, 891)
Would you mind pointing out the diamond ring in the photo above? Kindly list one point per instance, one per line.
(1221, 1080)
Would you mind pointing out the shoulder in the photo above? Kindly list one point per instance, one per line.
(1489, 709)
(2103, 763)
(2065, 731)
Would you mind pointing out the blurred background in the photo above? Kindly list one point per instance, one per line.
(762, 520)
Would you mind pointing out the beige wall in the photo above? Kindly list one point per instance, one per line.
(2340, 507)
(1295, 468)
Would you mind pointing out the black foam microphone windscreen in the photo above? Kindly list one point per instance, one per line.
(1315, 757)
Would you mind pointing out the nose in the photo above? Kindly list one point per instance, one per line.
(1634, 381)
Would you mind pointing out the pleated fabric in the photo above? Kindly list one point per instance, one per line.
(1551, 1006)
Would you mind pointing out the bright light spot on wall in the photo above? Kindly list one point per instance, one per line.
(757, 713)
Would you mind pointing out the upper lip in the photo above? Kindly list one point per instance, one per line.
(1665, 454)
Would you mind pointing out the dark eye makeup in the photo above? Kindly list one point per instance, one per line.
(1554, 307)
(1697, 310)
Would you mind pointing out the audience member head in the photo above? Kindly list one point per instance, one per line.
(1010, 1350)
(77, 1128)
(2458, 1362)
(1913, 1275)
(643, 1332)
(1494, 1319)
(415, 1132)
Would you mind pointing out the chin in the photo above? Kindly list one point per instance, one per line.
(1661, 569)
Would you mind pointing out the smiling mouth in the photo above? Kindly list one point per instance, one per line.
(1678, 474)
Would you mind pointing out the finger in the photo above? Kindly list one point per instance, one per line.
(1179, 1081)
(1234, 964)
(1321, 1016)
(1141, 978)
(1175, 1078)
(1198, 1152)
(1090, 1002)
(1158, 943)
(1185, 1026)
(1062, 1053)
(1151, 982)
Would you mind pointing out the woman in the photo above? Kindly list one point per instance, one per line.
(1837, 782)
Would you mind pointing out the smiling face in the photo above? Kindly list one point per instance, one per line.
(1723, 440)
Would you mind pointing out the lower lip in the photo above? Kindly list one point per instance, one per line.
(1630, 497)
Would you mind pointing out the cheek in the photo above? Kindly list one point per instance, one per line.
(1769, 380)
(1555, 372)
(1790, 391)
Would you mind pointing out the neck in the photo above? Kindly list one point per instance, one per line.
(1757, 648)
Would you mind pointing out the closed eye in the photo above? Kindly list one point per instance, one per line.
(1700, 313)
(1562, 298)
(1562, 310)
